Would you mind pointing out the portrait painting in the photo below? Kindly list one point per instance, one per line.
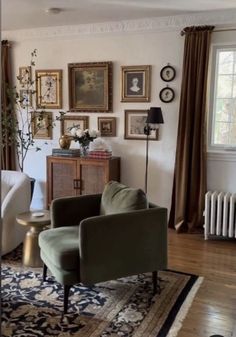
(24, 75)
(90, 86)
(68, 122)
(49, 89)
(41, 125)
(107, 126)
(135, 83)
(135, 122)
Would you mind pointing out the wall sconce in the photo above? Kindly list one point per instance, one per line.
(154, 118)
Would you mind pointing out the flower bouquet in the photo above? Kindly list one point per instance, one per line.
(83, 137)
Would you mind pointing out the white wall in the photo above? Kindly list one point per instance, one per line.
(154, 48)
(221, 167)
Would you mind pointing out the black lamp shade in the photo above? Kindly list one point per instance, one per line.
(155, 116)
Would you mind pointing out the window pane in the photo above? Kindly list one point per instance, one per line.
(223, 109)
(226, 62)
(232, 134)
(234, 86)
(224, 89)
(233, 115)
(221, 135)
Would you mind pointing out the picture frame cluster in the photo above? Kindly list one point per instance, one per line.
(90, 90)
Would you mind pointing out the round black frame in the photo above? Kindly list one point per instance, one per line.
(163, 70)
(162, 93)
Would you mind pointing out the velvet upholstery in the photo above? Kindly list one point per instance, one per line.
(84, 246)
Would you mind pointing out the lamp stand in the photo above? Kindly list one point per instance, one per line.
(147, 131)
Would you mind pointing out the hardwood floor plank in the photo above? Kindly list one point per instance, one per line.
(213, 310)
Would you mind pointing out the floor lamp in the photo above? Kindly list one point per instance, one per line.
(154, 118)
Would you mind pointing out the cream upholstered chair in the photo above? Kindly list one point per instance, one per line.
(15, 198)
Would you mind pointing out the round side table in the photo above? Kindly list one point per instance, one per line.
(36, 220)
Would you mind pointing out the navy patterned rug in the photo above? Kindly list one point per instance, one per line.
(120, 308)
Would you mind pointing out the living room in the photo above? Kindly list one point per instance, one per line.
(136, 34)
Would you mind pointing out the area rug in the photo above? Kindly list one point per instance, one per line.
(120, 308)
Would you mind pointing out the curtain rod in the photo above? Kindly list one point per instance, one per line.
(182, 33)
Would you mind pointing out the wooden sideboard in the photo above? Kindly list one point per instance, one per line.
(68, 176)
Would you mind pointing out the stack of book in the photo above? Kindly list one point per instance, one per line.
(100, 154)
(66, 152)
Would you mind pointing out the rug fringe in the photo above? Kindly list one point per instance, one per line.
(178, 322)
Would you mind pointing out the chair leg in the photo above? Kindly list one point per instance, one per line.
(154, 281)
(45, 268)
(66, 296)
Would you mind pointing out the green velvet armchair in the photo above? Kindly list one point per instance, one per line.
(95, 238)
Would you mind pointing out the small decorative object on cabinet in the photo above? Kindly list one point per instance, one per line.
(64, 141)
(167, 73)
(78, 175)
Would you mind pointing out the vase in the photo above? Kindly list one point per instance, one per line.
(84, 150)
(64, 142)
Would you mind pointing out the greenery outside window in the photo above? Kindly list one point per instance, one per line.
(222, 107)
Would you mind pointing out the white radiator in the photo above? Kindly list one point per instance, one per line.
(220, 214)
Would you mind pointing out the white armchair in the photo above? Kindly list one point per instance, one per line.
(15, 198)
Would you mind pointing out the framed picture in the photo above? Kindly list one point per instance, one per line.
(167, 73)
(49, 89)
(135, 121)
(135, 82)
(90, 86)
(25, 75)
(41, 124)
(107, 126)
(25, 98)
(167, 95)
(67, 122)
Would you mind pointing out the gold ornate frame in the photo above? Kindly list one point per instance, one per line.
(107, 126)
(49, 88)
(136, 130)
(90, 87)
(41, 125)
(141, 74)
(69, 121)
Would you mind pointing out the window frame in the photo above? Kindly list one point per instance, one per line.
(211, 147)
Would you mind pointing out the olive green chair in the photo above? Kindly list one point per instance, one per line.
(95, 238)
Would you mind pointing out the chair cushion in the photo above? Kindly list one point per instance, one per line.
(61, 246)
(118, 198)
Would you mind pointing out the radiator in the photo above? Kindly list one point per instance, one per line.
(220, 214)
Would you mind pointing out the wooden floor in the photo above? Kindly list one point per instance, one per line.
(214, 308)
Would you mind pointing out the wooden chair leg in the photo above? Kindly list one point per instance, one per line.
(45, 268)
(66, 296)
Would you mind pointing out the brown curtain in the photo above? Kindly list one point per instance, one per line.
(7, 151)
(189, 184)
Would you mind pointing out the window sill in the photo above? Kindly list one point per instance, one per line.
(221, 156)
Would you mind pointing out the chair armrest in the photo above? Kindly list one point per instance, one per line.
(117, 245)
(70, 211)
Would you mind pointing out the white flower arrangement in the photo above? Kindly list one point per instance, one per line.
(84, 137)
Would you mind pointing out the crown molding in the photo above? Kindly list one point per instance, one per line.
(158, 24)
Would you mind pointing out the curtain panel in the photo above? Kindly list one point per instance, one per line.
(189, 185)
(8, 154)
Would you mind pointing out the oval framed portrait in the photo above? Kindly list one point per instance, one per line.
(167, 95)
(167, 73)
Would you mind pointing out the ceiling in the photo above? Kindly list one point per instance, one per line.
(23, 14)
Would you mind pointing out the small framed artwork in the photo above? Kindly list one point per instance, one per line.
(68, 122)
(41, 124)
(25, 98)
(107, 126)
(136, 83)
(167, 95)
(135, 121)
(49, 89)
(90, 86)
(167, 73)
(25, 75)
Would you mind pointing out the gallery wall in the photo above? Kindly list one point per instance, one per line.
(136, 48)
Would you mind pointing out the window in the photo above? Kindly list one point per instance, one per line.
(222, 117)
